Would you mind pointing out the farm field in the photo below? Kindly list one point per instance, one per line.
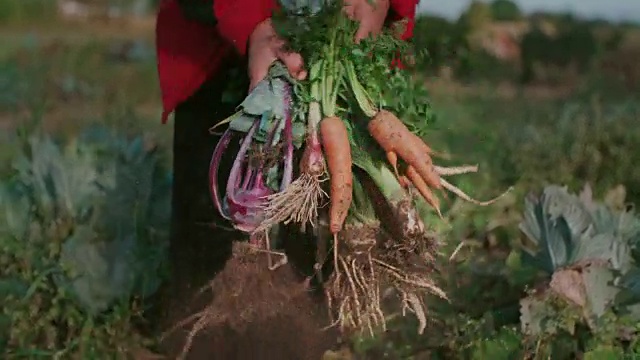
(81, 140)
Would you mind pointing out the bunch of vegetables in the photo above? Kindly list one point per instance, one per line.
(356, 108)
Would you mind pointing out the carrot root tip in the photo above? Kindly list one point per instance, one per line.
(404, 182)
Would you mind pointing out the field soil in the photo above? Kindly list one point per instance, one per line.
(248, 312)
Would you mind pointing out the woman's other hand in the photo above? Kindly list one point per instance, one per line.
(371, 14)
(265, 47)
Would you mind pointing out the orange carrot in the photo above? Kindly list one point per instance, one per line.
(335, 142)
(396, 139)
(424, 190)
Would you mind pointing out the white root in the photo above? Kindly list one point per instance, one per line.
(355, 292)
(418, 309)
(456, 251)
(298, 203)
(421, 283)
(461, 194)
(284, 260)
(335, 251)
(201, 323)
(455, 170)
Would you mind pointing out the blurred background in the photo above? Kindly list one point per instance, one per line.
(537, 92)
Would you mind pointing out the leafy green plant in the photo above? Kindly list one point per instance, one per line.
(505, 10)
(587, 249)
(82, 235)
(575, 44)
(445, 43)
(25, 11)
(503, 345)
(585, 139)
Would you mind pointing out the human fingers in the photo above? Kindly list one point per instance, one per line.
(365, 30)
(371, 18)
(262, 59)
(293, 62)
(259, 62)
(349, 8)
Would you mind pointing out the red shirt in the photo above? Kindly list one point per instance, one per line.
(189, 52)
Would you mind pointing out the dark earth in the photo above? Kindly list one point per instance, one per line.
(249, 311)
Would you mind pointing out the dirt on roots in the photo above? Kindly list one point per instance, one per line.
(250, 312)
(370, 262)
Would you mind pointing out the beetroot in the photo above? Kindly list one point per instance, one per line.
(268, 111)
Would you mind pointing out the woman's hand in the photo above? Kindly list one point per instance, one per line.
(265, 47)
(371, 15)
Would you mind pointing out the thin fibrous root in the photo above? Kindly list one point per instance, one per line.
(298, 203)
(416, 281)
(457, 250)
(200, 324)
(200, 321)
(455, 170)
(335, 251)
(355, 293)
(284, 260)
(461, 194)
(412, 302)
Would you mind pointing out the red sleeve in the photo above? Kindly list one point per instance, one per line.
(238, 18)
(187, 53)
(404, 10)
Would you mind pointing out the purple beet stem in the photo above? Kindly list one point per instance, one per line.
(213, 171)
(246, 206)
(247, 177)
(234, 178)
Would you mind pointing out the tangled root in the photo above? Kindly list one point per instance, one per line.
(298, 203)
(354, 293)
(370, 261)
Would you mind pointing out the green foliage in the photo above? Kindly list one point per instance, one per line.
(56, 86)
(505, 10)
(582, 141)
(476, 16)
(444, 42)
(579, 311)
(531, 142)
(604, 352)
(575, 44)
(83, 235)
(505, 344)
(587, 259)
(20, 11)
(614, 40)
(479, 65)
(569, 230)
